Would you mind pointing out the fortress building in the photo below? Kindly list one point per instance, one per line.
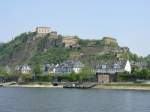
(109, 41)
(69, 41)
(43, 30)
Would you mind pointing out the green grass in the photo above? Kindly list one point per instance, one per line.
(124, 84)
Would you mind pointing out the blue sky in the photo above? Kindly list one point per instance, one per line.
(126, 20)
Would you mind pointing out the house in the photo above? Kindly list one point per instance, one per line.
(24, 69)
(108, 72)
(77, 67)
(49, 68)
(64, 68)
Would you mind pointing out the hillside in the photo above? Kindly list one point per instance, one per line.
(32, 48)
(1, 43)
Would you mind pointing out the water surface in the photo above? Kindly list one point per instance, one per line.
(73, 100)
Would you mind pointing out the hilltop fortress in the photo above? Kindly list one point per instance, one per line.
(73, 42)
(109, 41)
(68, 41)
(42, 31)
(45, 44)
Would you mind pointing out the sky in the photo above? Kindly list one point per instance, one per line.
(126, 20)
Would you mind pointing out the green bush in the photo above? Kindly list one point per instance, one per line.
(44, 78)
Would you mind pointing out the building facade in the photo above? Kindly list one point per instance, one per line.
(64, 68)
(69, 41)
(24, 69)
(43, 30)
(108, 72)
(109, 41)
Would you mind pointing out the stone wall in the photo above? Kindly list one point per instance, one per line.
(103, 78)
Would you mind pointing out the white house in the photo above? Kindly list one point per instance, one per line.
(108, 72)
(114, 67)
(24, 69)
(127, 67)
(77, 67)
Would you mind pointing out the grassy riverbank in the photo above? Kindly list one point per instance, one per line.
(116, 86)
(34, 85)
(124, 86)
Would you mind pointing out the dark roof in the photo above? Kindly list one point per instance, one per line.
(71, 63)
(111, 68)
(111, 65)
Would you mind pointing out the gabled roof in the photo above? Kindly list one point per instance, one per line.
(112, 64)
(68, 63)
(22, 67)
(114, 67)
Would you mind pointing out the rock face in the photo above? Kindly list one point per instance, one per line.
(109, 41)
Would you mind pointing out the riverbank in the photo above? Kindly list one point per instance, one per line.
(123, 86)
(34, 85)
(115, 86)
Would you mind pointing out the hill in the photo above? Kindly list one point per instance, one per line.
(1, 42)
(31, 48)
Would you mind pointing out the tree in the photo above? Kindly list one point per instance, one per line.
(141, 73)
(25, 77)
(3, 75)
(145, 73)
(86, 74)
(73, 77)
(37, 70)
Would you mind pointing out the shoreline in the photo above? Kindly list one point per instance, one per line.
(32, 85)
(145, 87)
(111, 86)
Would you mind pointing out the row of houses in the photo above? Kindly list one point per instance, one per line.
(62, 68)
(105, 72)
(65, 67)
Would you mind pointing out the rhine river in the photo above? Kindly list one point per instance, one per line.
(73, 100)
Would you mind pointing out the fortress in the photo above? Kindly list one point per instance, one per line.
(70, 41)
(109, 41)
(43, 30)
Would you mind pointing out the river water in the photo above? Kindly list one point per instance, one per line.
(73, 100)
